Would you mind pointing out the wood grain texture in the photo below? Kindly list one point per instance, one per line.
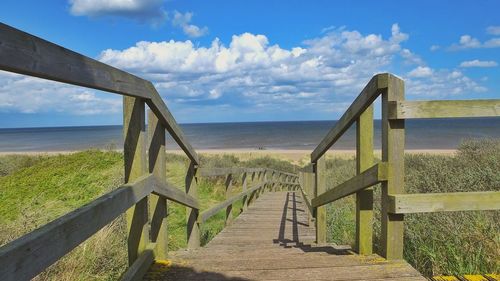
(27, 256)
(364, 99)
(364, 198)
(167, 119)
(229, 207)
(393, 142)
(320, 212)
(214, 172)
(444, 109)
(205, 215)
(157, 204)
(274, 241)
(134, 155)
(376, 174)
(173, 193)
(444, 202)
(192, 215)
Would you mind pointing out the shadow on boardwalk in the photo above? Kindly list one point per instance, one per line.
(290, 205)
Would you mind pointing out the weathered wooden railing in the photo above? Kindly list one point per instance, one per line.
(144, 195)
(390, 171)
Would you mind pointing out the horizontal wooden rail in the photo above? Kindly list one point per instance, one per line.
(283, 173)
(364, 99)
(444, 109)
(27, 256)
(173, 193)
(284, 182)
(26, 54)
(440, 202)
(205, 215)
(214, 172)
(376, 174)
(306, 199)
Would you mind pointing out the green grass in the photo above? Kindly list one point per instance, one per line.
(37, 189)
(437, 243)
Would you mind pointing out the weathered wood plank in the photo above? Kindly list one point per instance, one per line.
(393, 142)
(214, 172)
(192, 215)
(134, 156)
(27, 256)
(399, 271)
(444, 202)
(24, 53)
(320, 212)
(444, 109)
(160, 109)
(158, 204)
(364, 99)
(205, 215)
(364, 198)
(169, 191)
(376, 174)
(229, 207)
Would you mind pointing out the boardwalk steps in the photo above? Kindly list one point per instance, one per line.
(272, 240)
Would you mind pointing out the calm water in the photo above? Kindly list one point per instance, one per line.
(420, 134)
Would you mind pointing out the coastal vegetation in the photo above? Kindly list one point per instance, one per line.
(37, 189)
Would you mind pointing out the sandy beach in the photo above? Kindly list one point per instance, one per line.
(294, 155)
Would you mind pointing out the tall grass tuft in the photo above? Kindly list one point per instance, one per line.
(436, 243)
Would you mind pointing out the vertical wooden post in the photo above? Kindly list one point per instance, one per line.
(309, 177)
(229, 184)
(393, 140)
(364, 198)
(244, 187)
(134, 155)
(193, 228)
(158, 205)
(319, 188)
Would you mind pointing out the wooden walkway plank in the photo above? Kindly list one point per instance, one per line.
(273, 240)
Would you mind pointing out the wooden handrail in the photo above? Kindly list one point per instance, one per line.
(444, 109)
(390, 172)
(444, 202)
(205, 215)
(376, 174)
(214, 172)
(364, 99)
(26, 54)
(168, 191)
(28, 255)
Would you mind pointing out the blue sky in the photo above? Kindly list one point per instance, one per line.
(224, 61)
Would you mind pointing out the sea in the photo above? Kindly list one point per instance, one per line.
(293, 135)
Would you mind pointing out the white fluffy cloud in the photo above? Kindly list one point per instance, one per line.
(143, 10)
(469, 42)
(478, 63)
(25, 94)
(493, 30)
(442, 83)
(421, 71)
(183, 21)
(250, 75)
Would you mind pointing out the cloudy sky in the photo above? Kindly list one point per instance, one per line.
(225, 61)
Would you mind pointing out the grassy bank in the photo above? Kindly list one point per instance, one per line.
(37, 189)
(437, 243)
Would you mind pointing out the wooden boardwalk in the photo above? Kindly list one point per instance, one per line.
(273, 240)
